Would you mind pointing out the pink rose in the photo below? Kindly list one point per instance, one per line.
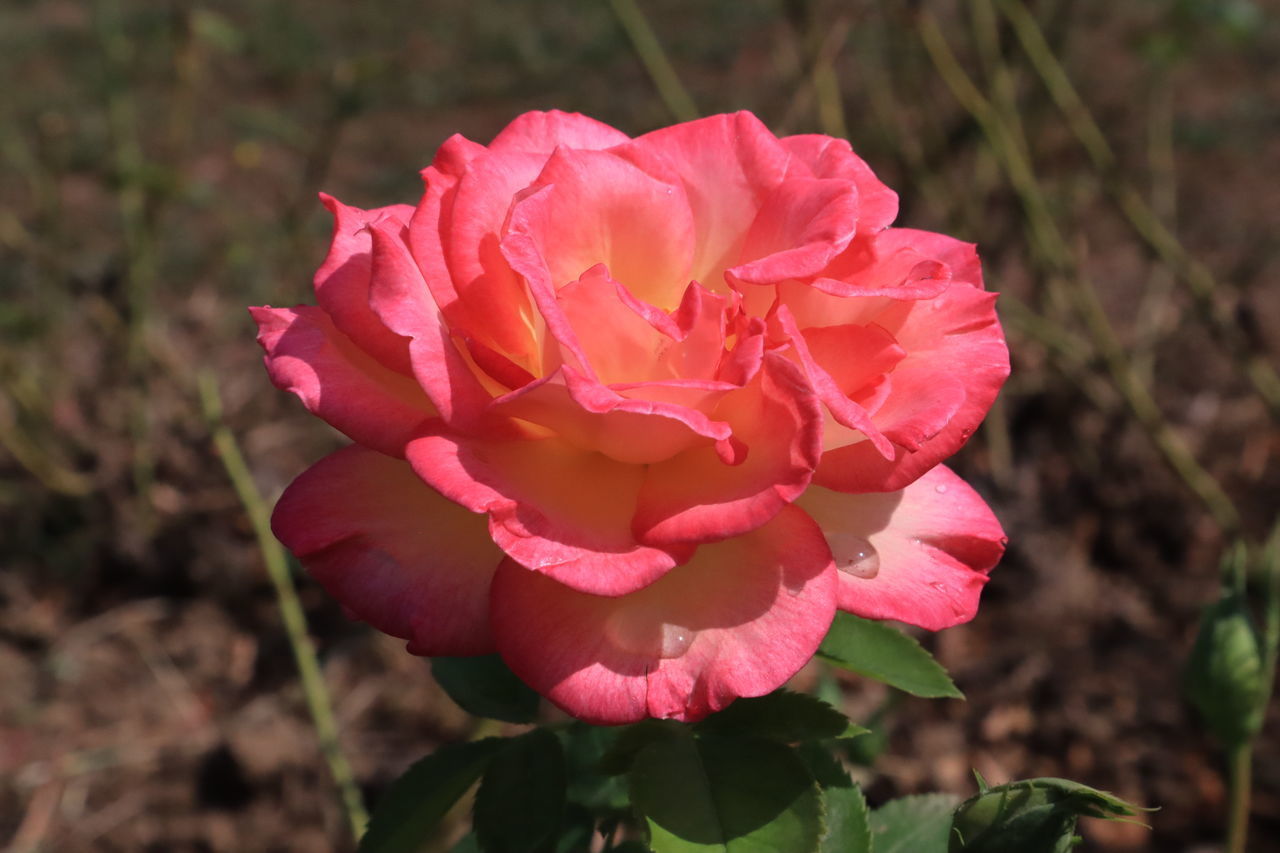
(641, 414)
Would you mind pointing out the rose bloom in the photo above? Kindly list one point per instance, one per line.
(641, 414)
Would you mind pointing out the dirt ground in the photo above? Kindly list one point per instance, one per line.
(161, 161)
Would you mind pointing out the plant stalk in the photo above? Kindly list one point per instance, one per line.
(291, 613)
(1240, 767)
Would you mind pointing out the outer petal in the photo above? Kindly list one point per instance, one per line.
(393, 551)
(956, 362)
(934, 542)
(338, 381)
(544, 132)
(552, 507)
(738, 620)
(697, 497)
(828, 157)
(342, 282)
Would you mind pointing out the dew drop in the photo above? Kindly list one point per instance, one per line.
(942, 490)
(676, 640)
(854, 555)
(639, 633)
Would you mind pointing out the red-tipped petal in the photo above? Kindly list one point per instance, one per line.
(932, 544)
(392, 550)
(338, 381)
(738, 620)
(342, 282)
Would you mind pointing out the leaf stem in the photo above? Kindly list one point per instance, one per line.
(291, 612)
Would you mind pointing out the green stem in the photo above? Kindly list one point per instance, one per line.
(295, 620)
(1240, 762)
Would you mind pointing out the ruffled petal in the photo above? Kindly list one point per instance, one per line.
(593, 417)
(336, 380)
(920, 555)
(698, 497)
(392, 550)
(552, 507)
(342, 282)
(454, 237)
(802, 225)
(828, 157)
(400, 297)
(957, 360)
(738, 620)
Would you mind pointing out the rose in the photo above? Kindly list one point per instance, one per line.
(641, 414)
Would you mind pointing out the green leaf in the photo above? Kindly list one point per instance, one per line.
(782, 715)
(522, 796)
(485, 687)
(409, 813)
(726, 795)
(1226, 671)
(884, 653)
(848, 820)
(584, 748)
(919, 824)
(619, 757)
(1030, 816)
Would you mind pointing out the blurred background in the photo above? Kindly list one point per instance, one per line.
(1115, 162)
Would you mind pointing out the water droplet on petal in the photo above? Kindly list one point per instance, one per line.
(639, 633)
(942, 490)
(676, 640)
(854, 555)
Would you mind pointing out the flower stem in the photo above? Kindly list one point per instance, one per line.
(1240, 764)
(291, 613)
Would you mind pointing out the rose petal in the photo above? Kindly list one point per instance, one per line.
(697, 497)
(738, 620)
(338, 381)
(598, 208)
(957, 360)
(454, 238)
(828, 157)
(845, 411)
(934, 542)
(802, 225)
(392, 550)
(552, 507)
(728, 165)
(400, 297)
(342, 282)
(590, 416)
(544, 132)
